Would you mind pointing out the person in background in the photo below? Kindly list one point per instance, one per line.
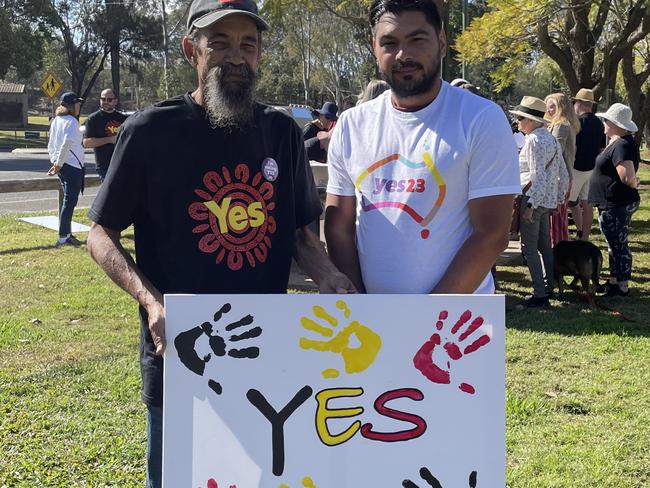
(324, 119)
(544, 183)
(564, 125)
(374, 88)
(102, 127)
(318, 132)
(67, 156)
(589, 142)
(520, 137)
(613, 189)
(470, 88)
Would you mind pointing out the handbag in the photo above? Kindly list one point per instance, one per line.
(516, 208)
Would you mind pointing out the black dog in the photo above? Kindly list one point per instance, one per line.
(580, 259)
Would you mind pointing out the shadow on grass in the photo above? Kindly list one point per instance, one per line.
(571, 315)
(9, 252)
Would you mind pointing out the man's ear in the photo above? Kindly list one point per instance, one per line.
(189, 50)
(442, 40)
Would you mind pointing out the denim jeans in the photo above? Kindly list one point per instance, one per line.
(71, 179)
(615, 226)
(154, 447)
(536, 240)
(102, 173)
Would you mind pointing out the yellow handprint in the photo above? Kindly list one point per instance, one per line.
(307, 482)
(356, 359)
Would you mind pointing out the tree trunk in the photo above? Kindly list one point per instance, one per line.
(639, 102)
(165, 48)
(114, 9)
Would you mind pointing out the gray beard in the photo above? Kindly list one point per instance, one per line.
(229, 104)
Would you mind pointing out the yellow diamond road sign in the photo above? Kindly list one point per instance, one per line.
(51, 85)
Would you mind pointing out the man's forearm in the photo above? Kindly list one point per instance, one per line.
(93, 142)
(471, 263)
(342, 250)
(105, 248)
(309, 253)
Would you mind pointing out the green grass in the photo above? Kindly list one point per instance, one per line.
(578, 405)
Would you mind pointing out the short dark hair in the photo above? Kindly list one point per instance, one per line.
(427, 7)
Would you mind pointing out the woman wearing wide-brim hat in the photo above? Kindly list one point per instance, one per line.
(613, 189)
(544, 182)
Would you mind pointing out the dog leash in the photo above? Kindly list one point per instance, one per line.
(618, 313)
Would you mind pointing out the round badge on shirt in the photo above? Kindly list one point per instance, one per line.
(270, 169)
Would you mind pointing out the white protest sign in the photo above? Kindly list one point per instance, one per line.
(334, 391)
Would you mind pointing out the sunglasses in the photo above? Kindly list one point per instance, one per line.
(106, 99)
(520, 118)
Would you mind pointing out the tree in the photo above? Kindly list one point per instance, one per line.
(636, 71)
(78, 24)
(21, 41)
(586, 39)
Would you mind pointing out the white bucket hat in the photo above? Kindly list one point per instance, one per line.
(459, 82)
(620, 115)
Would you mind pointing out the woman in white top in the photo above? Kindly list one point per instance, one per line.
(67, 156)
(544, 182)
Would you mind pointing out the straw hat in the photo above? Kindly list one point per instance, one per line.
(621, 116)
(585, 95)
(532, 108)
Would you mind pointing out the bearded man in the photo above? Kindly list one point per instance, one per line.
(218, 190)
(421, 179)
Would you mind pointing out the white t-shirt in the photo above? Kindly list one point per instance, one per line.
(64, 145)
(413, 174)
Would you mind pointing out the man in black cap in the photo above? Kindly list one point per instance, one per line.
(317, 132)
(217, 188)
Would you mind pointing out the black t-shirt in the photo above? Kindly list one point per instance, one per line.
(312, 143)
(104, 124)
(606, 190)
(589, 142)
(310, 130)
(213, 211)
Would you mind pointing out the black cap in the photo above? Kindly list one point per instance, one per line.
(203, 13)
(329, 110)
(70, 98)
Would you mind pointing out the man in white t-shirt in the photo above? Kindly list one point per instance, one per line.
(421, 179)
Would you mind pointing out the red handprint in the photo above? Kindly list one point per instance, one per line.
(423, 359)
(213, 484)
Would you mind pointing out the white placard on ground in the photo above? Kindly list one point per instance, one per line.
(52, 222)
(334, 391)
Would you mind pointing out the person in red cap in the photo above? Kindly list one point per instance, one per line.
(218, 190)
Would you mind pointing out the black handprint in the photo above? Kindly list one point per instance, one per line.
(433, 482)
(185, 344)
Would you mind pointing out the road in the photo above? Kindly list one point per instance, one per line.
(17, 166)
